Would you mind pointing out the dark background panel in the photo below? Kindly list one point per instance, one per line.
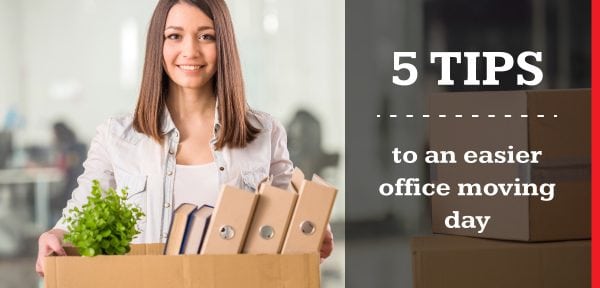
(378, 229)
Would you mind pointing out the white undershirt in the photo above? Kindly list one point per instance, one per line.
(196, 184)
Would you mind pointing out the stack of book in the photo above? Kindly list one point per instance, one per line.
(188, 227)
(267, 221)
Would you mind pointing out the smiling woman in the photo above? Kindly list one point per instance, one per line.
(189, 51)
(180, 34)
(192, 130)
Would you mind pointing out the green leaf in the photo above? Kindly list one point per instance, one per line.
(105, 224)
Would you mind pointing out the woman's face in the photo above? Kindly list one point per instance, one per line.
(189, 50)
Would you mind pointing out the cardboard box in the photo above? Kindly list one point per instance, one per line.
(463, 262)
(145, 266)
(565, 144)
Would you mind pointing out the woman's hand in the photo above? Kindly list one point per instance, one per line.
(327, 245)
(48, 243)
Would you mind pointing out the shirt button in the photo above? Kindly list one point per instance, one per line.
(176, 134)
(167, 205)
(170, 173)
(164, 235)
(171, 151)
(222, 168)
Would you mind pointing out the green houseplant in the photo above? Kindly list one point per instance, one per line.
(105, 225)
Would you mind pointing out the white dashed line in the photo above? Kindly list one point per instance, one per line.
(472, 116)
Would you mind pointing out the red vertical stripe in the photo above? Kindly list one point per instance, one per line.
(595, 143)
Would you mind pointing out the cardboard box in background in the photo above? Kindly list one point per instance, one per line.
(564, 141)
(145, 266)
(461, 262)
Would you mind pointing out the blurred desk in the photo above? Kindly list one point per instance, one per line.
(41, 178)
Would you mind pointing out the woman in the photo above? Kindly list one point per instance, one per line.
(191, 120)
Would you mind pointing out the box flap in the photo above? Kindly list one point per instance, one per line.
(147, 249)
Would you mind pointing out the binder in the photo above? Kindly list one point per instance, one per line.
(178, 228)
(311, 214)
(297, 180)
(230, 221)
(197, 228)
(271, 220)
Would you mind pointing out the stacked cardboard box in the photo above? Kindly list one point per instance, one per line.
(465, 262)
(557, 123)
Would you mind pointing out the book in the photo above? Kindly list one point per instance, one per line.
(196, 229)
(311, 215)
(271, 219)
(177, 230)
(230, 221)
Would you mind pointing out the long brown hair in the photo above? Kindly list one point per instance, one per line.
(236, 130)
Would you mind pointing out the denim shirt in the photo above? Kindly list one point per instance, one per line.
(121, 157)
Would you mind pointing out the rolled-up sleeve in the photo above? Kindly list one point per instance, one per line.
(281, 166)
(97, 166)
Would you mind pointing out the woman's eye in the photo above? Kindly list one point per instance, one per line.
(173, 36)
(207, 37)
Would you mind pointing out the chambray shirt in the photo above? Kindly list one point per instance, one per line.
(121, 157)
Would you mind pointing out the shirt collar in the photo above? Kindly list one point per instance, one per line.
(167, 124)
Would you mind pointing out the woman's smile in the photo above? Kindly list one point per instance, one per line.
(190, 67)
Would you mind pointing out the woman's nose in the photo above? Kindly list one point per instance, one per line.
(190, 48)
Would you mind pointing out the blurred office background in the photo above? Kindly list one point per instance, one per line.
(66, 65)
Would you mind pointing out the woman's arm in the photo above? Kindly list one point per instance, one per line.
(97, 166)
